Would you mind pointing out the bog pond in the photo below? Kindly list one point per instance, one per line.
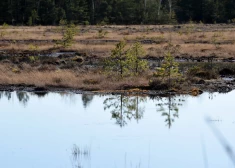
(66, 130)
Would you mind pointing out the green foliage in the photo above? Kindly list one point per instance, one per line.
(192, 71)
(33, 58)
(169, 68)
(118, 61)
(33, 48)
(134, 54)
(68, 31)
(63, 22)
(15, 70)
(49, 12)
(190, 27)
(33, 18)
(3, 31)
(126, 62)
(30, 21)
(101, 33)
(215, 38)
(86, 23)
(5, 26)
(62, 26)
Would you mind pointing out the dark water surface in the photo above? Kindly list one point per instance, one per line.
(65, 130)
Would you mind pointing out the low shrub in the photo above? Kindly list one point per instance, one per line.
(78, 59)
(226, 71)
(157, 84)
(201, 73)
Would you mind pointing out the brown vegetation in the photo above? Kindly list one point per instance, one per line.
(26, 56)
(194, 40)
(28, 75)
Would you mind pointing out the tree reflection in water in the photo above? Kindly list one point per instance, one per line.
(212, 95)
(87, 99)
(39, 94)
(6, 94)
(124, 108)
(80, 155)
(22, 96)
(168, 106)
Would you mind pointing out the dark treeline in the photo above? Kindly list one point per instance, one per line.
(50, 12)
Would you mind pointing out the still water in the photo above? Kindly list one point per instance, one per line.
(65, 130)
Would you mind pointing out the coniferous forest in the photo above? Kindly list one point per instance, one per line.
(84, 12)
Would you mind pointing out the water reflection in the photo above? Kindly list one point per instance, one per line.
(124, 108)
(5, 94)
(169, 108)
(40, 94)
(80, 156)
(212, 95)
(68, 97)
(52, 123)
(23, 97)
(87, 99)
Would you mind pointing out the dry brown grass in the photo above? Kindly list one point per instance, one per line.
(11, 74)
(201, 41)
(196, 42)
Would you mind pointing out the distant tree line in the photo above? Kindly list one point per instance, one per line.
(50, 12)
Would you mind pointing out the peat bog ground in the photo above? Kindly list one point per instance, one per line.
(32, 60)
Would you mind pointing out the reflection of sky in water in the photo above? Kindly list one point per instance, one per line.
(42, 132)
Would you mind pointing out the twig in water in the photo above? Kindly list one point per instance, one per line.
(222, 140)
(205, 159)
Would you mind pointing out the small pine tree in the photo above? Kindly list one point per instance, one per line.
(118, 60)
(136, 64)
(30, 21)
(3, 29)
(34, 16)
(68, 36)
(168, 69)
(126, 62)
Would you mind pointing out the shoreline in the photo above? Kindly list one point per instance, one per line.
(197, 89)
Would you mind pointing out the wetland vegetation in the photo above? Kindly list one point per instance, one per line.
(179, 58)
(117, 83)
